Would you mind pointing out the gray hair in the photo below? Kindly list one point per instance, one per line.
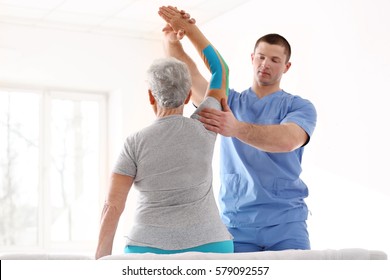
(170, 82)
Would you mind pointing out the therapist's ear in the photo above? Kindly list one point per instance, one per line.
(288, 65)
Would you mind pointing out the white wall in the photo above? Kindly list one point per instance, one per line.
(340, 62)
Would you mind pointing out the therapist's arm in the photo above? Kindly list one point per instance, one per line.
(278, 138)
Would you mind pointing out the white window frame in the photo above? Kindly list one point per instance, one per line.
(47, 95)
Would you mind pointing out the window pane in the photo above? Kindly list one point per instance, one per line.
(19, 168)
(74, 176)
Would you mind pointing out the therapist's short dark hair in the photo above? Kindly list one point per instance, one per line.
(276, 39)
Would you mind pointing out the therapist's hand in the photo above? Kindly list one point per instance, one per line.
(222, 122)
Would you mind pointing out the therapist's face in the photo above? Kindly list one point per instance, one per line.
(269, 64)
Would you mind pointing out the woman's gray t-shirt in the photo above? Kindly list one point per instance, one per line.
(171, 162)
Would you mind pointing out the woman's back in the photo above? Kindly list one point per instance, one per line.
(171, 164)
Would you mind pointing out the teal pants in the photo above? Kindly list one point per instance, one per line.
(215, 247)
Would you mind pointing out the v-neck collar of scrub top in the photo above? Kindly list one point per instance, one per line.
(264, 98)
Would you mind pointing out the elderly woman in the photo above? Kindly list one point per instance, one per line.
(170, 161)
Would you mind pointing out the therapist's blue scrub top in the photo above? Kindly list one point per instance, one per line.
(261, 189)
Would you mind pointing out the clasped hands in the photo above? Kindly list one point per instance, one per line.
(176, 19)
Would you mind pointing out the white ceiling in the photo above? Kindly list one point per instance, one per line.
(132, 18)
